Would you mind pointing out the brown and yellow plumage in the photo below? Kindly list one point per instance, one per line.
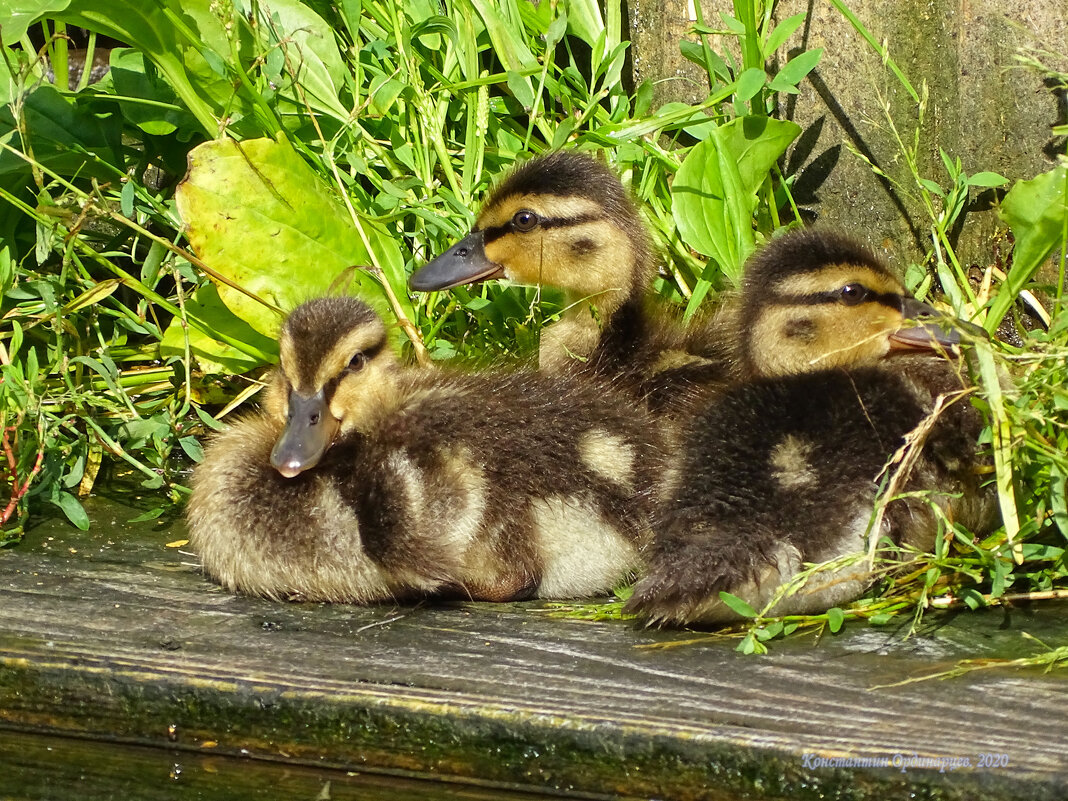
(564, 220)
(362, 480)
(783, 469)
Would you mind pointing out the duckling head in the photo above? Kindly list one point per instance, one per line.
(813, 300)
(334, 374)
(561, 220)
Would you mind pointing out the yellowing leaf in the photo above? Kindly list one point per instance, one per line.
(262, 217)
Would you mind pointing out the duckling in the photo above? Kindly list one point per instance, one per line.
(785, 469)
(362, 480)
(565, 220)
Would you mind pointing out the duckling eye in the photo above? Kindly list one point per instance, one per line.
(852, 294)
(357, 362)
(525, 220)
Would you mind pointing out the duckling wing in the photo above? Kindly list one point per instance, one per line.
(509, 486)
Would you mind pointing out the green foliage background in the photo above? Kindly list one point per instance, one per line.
(341, 145)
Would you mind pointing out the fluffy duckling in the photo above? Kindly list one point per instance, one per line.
(785, 469)
(565, 220)
(363, 481)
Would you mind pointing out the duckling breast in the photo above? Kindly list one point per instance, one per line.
(262, 534)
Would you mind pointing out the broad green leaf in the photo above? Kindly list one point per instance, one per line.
(536, 18)
(72, 508)
(191, 43)
(61, 133)
(312, 52)
(643, 98)
(732, 23)
(737, 605)
(192, 448)
(15, 342)
(206, 313)
(175, 35)
(777, 38)
(16, 16)
(757, 143)
(129, 77)
(94, 294)
(32, 365)
(106, 371)
(126, 199)
(74, 475)
(140, 432)
(584, 20)
(520, 86)
(1037, 213)
(769, 632)
(749, 83)
(932, 187)
(706, 59)
(987, 179)
(383, 93)
(709, 206)
(208, 420)
(258, 214)
(1034, 551)
(751, 645)
(151, 514)
(692, 51)
(835, 619)
(714, 191)
(972, 597)
(795, 71)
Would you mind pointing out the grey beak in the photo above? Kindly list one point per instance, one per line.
(931, 330)
(463, 263)
(309, 432)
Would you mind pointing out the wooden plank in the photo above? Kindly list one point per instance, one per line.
(46, 768)
(114, 636)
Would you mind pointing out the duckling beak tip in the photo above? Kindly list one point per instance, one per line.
(309, 433)
(289, 469)
(464, 263)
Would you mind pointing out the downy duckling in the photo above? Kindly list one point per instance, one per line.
(785, 469)
(565, 220)
(363, 481)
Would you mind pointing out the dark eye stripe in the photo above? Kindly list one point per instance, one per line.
(369, 353)
(497, 231)
(891, 300)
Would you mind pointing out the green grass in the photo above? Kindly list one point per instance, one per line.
(120, 347)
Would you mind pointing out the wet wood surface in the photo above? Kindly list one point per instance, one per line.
(113, 636)
(47, 768)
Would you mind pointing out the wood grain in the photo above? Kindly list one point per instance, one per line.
(122, 639)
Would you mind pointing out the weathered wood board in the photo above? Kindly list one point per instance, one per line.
(49, 768)
(114, 636)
